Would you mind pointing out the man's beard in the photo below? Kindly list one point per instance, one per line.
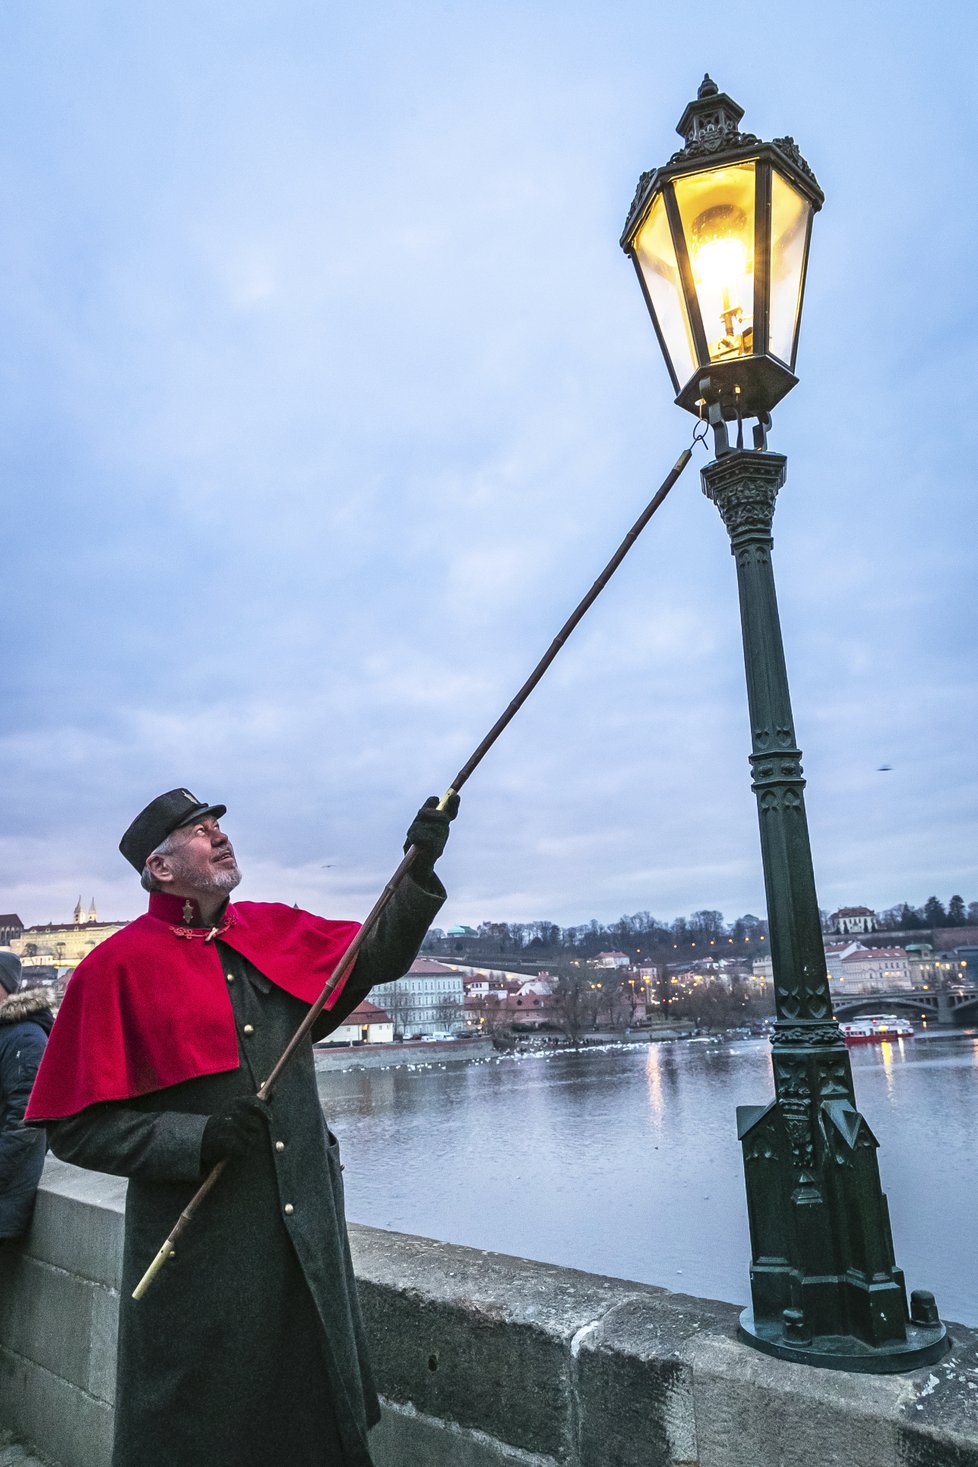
(226, 878)
(212, 878)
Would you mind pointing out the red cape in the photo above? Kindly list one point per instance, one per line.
(149, 1007)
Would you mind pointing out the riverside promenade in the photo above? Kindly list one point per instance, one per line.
(485, 1360)
(419, 1052)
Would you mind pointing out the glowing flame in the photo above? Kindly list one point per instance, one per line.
(721, 258)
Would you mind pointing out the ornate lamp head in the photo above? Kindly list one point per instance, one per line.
(719, 237)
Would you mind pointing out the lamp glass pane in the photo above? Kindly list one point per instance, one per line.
(656, 257)
(717, 212)
(789, 231)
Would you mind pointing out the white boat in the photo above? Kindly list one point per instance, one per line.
(876, 1029)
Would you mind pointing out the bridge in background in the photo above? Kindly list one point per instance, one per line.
(957, 1006)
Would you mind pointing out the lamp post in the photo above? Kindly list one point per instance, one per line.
(719, 237)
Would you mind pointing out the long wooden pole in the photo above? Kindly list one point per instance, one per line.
(349, 957)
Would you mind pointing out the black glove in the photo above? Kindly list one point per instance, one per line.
(234, 1131)
(428, 831)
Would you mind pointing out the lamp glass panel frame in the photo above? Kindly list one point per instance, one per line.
(716, 212)
(791, 225)
(659, 272)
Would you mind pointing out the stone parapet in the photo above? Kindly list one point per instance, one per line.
(490, 1361)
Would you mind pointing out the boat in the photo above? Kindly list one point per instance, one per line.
(876, 1029)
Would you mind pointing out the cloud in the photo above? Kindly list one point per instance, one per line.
(327, 393)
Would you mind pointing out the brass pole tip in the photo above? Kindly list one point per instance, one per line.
(165, 1252)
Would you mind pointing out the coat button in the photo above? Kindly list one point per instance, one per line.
(249, 1028)
(289, 1209)
(280, 1146)
(229, 977)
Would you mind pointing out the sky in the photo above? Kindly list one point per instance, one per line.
(326, 391)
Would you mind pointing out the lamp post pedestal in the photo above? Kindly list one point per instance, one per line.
(825, 1287)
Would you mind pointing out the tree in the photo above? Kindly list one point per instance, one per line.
(707, 924)
(495, 935)
(709, 1005)
(574, 1001)
(680, 931)
(493, 1019)
(973, 913)
(956, 914)
(934, 913)
(450, 1011)
(399, 1003)
(543, 935)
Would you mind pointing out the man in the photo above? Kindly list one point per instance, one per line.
(248, 1348)
(25, 1023)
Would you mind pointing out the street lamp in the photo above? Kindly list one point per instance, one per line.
(719, 237)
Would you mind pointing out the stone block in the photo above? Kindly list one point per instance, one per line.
(939, 1426)
(755, 1411)
(406, 1439)
(102, 1348)
(472, 1366)
(478, 1338)
(634, 1384)
(63, 1422)
(78, 1222)
(46, 1316)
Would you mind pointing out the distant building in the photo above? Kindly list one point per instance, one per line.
(63, 945)
(967, 959)
(611, 960)
(875, 970)
(481, 989)
(835, 954)
(368, 1024)
(523, 1003)
(11, 928)
(532, 1005)
(427, 1000)
(853, 919)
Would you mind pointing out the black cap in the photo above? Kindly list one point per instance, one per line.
(10, 970)
(160, 818)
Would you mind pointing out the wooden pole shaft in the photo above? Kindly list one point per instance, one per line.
(346, 962)
(576, 615)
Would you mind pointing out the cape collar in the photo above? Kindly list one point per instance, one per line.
(182, 915)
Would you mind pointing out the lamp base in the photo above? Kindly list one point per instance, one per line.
(924, 1345)
(745, 387)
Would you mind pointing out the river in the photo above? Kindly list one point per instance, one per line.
(625, 1161)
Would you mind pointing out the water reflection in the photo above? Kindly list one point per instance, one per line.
(886, 1059)
(627, 1162)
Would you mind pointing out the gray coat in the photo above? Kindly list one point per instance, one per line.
(25, 1023)
(248, 1348)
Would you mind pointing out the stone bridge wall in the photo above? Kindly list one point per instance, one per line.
(485, 1360)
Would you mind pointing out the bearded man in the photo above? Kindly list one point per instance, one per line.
(249, 1346)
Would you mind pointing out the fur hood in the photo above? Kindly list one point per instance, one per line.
(24, 1005)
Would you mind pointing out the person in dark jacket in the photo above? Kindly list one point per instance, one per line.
(25, 1023)
(248, 1348)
